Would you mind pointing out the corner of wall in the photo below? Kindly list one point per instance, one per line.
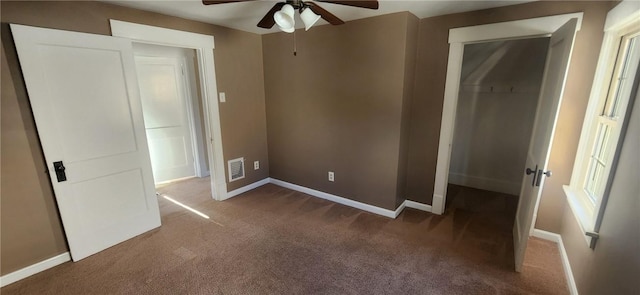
(411, 37)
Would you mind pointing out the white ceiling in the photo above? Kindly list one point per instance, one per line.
(245, 15)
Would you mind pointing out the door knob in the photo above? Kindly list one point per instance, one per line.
(540, 173)
(59, 168)
(529, 171)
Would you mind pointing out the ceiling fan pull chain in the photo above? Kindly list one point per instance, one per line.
(295, 50)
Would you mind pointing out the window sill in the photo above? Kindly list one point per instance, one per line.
(583, 210)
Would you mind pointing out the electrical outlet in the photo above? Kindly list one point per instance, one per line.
(331, 176)
(223, 97)
(256, 165)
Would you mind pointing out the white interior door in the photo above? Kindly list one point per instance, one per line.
(166, 117)
(551, 91)
(84, 96)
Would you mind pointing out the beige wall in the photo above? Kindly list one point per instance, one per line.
(613, 266)
(337, 106)
(426, 110)
(31, 229)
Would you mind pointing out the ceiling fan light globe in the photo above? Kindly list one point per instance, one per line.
(309, 18)
(285, 24)
(284, 18)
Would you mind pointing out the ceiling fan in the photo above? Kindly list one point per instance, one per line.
(282, 12)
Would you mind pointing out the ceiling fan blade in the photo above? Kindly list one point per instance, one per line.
(267, 21)
(371, 4)
(211, 2)
(328, 16)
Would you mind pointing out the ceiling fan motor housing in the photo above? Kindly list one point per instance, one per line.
(297, 4)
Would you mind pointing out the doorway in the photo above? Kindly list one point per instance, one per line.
(458, 38)
(562, 30)
(96, 145)
(498, 94)
(203, 46)
(172, 111)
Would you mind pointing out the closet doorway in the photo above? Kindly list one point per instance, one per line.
(498, 94)
(172, 111)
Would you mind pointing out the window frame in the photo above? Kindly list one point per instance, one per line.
(601, 118)
(622, 21)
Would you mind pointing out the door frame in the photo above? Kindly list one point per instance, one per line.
(203, 45)
(458, 38)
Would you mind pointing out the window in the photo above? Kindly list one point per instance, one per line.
(608, 121)
(605, 117)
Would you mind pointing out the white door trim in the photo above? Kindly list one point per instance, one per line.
(204, 45)
(458, 37)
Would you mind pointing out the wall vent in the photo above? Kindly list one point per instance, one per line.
(236, 169)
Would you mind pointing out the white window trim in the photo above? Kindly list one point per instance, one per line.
(619, 20)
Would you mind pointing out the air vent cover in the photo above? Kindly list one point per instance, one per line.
(236, 169)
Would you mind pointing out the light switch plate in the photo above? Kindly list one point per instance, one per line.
(223, 97)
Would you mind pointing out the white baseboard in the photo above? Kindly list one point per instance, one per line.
(246, 188)
(545, 235)
(484, 183)
(340, 200)
(333, 198)
(553, 237)
(399, 209)
(34, 269)
(416, 205)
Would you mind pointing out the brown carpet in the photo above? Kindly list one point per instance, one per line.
(276, 241)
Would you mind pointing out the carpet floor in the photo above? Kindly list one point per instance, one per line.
(273, 240)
